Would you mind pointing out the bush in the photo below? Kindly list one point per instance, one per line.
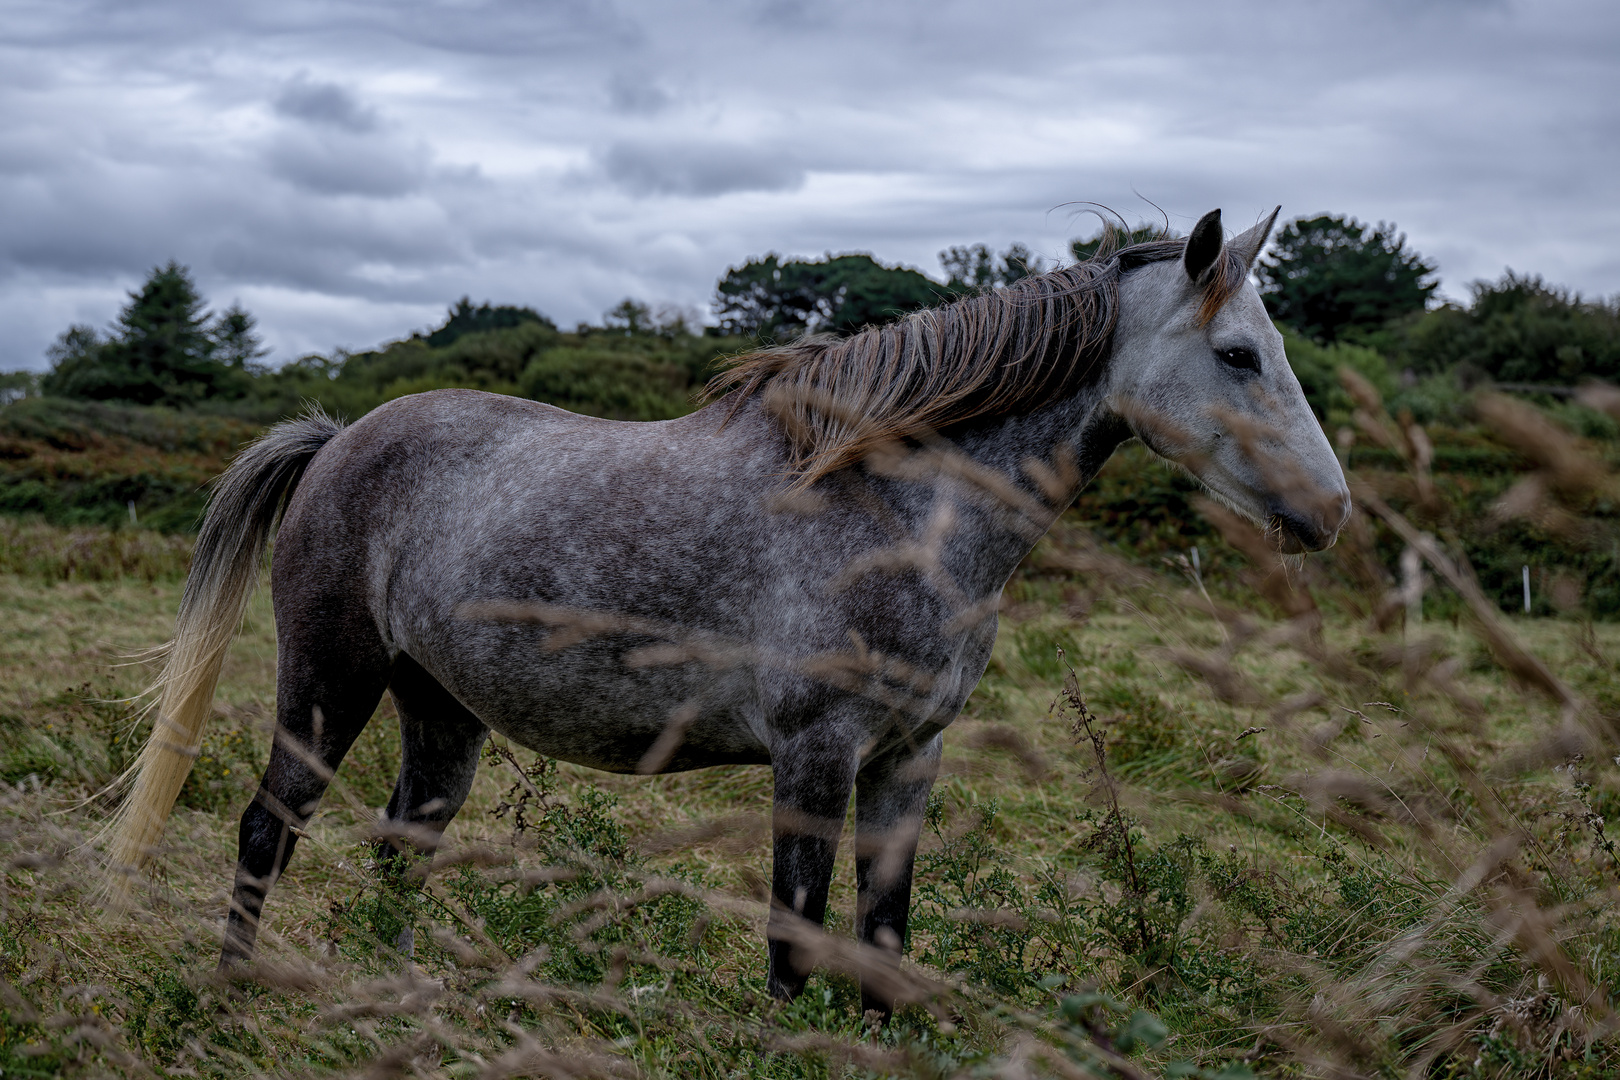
(632, 372)
(600, 380)
(112, 466)
(1521, 330)
(1317, 368)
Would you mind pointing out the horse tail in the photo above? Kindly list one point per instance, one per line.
(243, 510)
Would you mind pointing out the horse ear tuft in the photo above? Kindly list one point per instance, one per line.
(1203, 246)
(1249, 244)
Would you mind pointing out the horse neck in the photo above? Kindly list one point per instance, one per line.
(992, 533)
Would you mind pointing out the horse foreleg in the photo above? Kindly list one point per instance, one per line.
(814, 772)
(891, 793)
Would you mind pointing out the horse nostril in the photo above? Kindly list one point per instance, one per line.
(1294, 532)
(1335, 515)
(1341, 507)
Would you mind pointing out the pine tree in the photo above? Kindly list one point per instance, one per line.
(235, 343)
(1333, 278)
(162, 350)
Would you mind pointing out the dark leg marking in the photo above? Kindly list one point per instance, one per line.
(324, 697)
(814, 772)
(891, 793)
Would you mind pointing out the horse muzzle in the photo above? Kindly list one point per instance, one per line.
(1294, 530)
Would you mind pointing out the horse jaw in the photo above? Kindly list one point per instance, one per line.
(1248, 436)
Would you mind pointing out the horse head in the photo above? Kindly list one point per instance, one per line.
(1198, 373)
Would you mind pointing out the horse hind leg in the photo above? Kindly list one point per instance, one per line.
(324, 698)
(891, 796)
(441, 742)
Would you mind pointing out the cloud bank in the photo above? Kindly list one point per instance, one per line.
(347, 169)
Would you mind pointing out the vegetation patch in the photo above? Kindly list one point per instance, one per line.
(1214, 816)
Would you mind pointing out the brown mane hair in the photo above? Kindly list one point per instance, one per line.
(985, 355)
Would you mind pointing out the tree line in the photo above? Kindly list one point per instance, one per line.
(1339, 288)
(1344, 294)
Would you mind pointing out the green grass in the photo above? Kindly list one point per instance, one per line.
(1333, 845)
(1249, 898)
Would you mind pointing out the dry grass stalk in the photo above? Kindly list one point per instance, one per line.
(1471, 865)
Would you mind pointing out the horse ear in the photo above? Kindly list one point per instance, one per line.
(1203, 246)
(1249, 244)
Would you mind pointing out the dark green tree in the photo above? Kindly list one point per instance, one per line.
(632, 317)
(162, 339)
(78, 369)
(1520, 329)
(236, 344)
(161, 351)
(973, 268)
(782, 299)
(1111, 238)
(464, 318)
(1333, 278)
(629, 316)
(77, 346)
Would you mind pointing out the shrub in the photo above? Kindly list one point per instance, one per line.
(1519, 329)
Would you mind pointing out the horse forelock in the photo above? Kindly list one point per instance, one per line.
(994, 353)
(1226, 277)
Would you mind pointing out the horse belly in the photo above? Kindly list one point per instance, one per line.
(585, 704)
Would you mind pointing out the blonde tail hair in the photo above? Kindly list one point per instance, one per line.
(242, 514)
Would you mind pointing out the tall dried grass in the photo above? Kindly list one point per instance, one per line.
(1450, 908)
(48, 552)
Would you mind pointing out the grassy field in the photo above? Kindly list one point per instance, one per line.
(1270, 823)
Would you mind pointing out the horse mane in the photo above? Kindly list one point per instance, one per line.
(989, 354)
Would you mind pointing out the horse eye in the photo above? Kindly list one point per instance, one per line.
(1242, 359)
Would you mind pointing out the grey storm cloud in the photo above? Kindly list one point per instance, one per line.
(346, 169)
(322, 164)
(699, 169)
(633, 94)
(324, 103)
(336, 145)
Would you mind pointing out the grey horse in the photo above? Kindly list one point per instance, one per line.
(804, 573)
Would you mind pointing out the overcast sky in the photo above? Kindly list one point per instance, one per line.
(346, 169)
